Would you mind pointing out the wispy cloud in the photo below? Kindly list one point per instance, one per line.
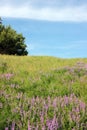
(73, 45)
(57, 12)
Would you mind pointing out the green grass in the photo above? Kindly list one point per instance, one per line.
(43, 76)
(40, 76)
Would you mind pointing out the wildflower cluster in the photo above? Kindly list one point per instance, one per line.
(52, 98)
(6, 76)
(37, 113)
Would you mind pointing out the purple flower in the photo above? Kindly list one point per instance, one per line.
(55, 103)
(13, 126)
(66, 100)
(52, 124)
(82, 105)
(29, 127)
(43, 128)
(77, 110)
(42, 118)
(7, 76)
(6, 128)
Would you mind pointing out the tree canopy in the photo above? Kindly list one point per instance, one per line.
(0, 20)
(11, 42)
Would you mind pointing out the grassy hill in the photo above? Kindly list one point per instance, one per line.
(26, 78)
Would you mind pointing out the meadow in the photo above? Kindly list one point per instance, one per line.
(43, 93)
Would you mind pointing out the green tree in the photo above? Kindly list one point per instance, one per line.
(11, 42)
(0, 20)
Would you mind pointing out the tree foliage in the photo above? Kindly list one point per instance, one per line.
(11, 42)
(0, 21)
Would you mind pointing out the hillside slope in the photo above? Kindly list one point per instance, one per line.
(37, 82)
(50, 74)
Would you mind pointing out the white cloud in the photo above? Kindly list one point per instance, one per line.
(72, 45)
(64, 13)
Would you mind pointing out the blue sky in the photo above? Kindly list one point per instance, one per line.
(51, 27)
